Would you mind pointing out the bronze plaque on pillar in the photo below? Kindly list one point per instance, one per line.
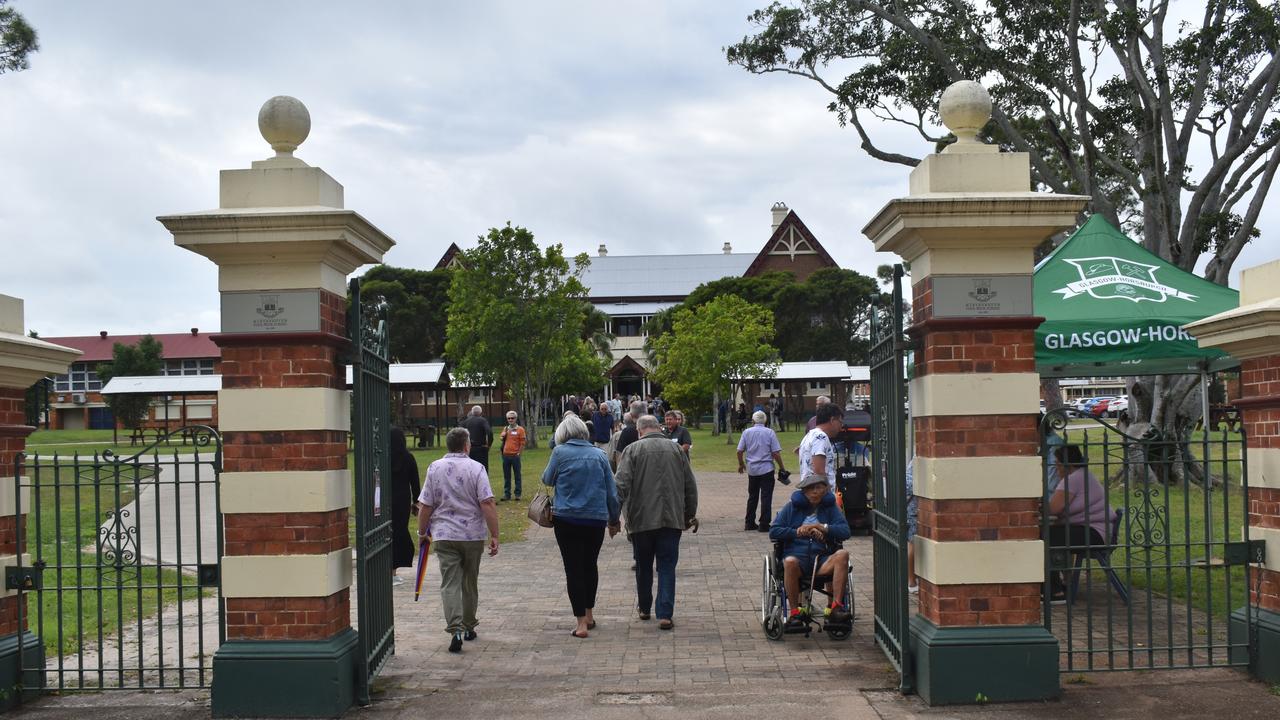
(968, 296)
(266, 311)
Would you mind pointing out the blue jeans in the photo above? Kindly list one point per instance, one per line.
(664, 545)
(509, 464)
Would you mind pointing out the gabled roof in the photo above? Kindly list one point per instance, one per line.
(177, 346)
(626, 366)
(448, 259)
(791, 237)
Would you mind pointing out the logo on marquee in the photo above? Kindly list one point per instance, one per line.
(1108, 278)
(269, 306)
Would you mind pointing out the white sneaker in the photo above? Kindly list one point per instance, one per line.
(913, 589)
(397, 580)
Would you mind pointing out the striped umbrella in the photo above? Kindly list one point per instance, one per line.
(424, 547)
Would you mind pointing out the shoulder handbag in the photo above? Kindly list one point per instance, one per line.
(540, 510)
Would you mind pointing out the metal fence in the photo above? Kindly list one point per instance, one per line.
(888, 475)
(371, 426)
(1145, 566)
(118, 565)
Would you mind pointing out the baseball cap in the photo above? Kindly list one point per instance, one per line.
(812, 479)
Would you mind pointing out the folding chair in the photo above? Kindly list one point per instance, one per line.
(1101, 556)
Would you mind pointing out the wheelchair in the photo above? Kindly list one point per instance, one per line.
(773, 599)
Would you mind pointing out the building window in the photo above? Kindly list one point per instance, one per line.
(79, 378)
(197, 366)
(772, 386)
(817, 385)
(632, 326)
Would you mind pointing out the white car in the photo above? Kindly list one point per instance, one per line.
(1115, 407)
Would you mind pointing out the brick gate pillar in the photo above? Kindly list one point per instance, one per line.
(23, 362)
(284, 246)
(1251, 334)
(969, 228)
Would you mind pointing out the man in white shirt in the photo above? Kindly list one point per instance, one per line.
(817, 452)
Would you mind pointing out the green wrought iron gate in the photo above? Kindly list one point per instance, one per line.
(888, 476)
(1164, 582)
(371, 425)
(117, 566)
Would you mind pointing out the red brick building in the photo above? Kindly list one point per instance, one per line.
(75, 398)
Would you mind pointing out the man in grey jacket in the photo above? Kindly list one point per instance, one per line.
(659, 499)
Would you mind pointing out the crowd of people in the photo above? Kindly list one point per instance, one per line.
(613, 470)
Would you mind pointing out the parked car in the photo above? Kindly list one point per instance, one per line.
(1089, 405)
(1117, 406)
(1099, 409)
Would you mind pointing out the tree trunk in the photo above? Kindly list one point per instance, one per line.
(715, 413)
(1170, 405)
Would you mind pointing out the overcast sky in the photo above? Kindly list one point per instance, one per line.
(585, 122)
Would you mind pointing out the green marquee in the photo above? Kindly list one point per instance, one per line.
(1112, 308)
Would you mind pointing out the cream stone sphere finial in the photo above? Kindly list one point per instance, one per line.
(284, 123)
(965, 108)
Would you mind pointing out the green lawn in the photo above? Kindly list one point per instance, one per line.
(87, 442)
(708, 454)
(86, 598)
(1196, 524)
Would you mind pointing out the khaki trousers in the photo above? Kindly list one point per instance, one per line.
(459, 587)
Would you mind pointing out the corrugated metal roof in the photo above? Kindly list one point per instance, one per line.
(411, 373)
(816, 370)
(633, 308)
(860, 373)
(163, 385)
(640, 276)
(177, 346)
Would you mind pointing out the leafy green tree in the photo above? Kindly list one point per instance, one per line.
(517, 317)
(826, 317)
(1168, 123)
(144, 358)
(417, 309)
(595, 330)
(17, 40)
(711, 345)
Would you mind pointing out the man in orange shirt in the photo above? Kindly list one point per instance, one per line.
(513, 440)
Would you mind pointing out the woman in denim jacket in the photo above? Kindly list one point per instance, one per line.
(586, 502)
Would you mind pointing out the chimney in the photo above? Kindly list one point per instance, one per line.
(728, 249)
(780, 211)
(602, 250)
(195, 331)
(102, 334)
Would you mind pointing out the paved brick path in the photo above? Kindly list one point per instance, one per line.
(525, 619)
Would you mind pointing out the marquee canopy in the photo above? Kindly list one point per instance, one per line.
(1112, 308)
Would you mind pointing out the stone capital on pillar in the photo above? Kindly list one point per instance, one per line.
(971, 218)
(1251, 334)
(281, 224)
(970, 209)
(25, 360)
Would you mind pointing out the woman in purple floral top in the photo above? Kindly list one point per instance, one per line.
(456, 509)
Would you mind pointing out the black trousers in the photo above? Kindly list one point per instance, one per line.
(580, 551)
(480, 453)
(760, 494)
(1074, 537)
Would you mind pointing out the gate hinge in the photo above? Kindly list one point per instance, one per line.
(1244, 552)
(24, 578)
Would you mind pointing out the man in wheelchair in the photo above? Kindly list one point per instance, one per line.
(810, 529)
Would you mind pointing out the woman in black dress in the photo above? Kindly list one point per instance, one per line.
(405, 486)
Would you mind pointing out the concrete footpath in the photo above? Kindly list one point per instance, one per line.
(715, 664)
